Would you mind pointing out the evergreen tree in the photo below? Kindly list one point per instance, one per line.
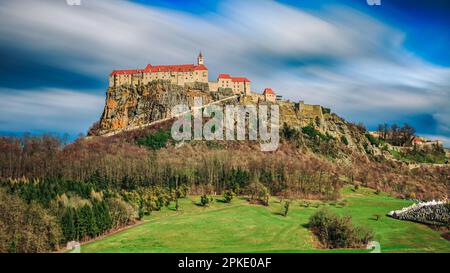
(68, 225)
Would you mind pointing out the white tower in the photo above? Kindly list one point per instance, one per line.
(200, 58)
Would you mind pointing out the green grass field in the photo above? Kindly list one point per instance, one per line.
(241, 227)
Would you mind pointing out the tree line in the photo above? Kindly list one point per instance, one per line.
(86, 188)
(396, 135)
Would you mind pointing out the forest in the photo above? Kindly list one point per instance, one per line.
(62, 192)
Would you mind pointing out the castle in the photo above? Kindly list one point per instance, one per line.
(180, 75)
(186, 74)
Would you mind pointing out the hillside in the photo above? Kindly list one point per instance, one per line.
(240, 227)
(308, 132)
(126, 171)
(131, 106)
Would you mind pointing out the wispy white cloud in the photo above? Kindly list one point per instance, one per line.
(56, 110)
(337, 57)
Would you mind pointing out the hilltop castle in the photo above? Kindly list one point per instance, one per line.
(130, 106)
(185, 74)
(180, 75)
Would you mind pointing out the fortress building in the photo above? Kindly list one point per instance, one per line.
(177, 74)
(269, 95)
(310, 111)
(238, 85)
(180, 75)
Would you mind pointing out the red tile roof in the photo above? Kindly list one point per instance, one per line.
(417, 140)
(233, 79)
(163, 68)
(128, 71)
(268, 91)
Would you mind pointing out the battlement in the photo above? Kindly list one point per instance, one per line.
(309, 110)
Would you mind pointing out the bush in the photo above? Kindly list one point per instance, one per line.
(228, 196)
(121, 212)
(286, 208)
(205, 200)
(259, 192)
(289, 133)
(344, 140)
(313, 134)
(338, 232)
(373, 141)
(326, 110)
(156, 140)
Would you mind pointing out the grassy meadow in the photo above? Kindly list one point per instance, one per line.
(242, 227)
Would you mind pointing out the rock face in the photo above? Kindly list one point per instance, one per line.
(328, 124)
(433, 213)
(136, 105)
(130, 106)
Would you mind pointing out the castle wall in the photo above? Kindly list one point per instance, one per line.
(120, 79)
(311, 111)
(270, 97)
(179, 78)
(213, 86)
(179, 75)
(240, 87)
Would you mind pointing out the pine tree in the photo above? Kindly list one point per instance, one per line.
(107, 215)
(68, 225)
(92, 229)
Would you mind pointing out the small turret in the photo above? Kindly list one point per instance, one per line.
(200, 58)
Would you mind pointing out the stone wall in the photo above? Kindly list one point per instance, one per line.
(310, 111)
(433, 213)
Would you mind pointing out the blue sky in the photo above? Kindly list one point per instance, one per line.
(370, 64)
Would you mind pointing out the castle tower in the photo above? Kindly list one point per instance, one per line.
(200, 58)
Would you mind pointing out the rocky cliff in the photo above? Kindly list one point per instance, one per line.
(137, 105)
(130, 106)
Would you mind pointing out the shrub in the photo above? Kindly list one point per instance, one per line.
(228, 196)
(156, 140)
(344, 140)
(289, 132)
(310, 131)
(373, 141)
(141, 213)
(326, 110)
(205, 200)
(338, 232)
(121, 212)
(286, 208)
(313, 134)
(259, 192)
(412, 195)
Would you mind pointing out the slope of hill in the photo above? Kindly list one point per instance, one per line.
(240, 227)
(343, 151)
(102, 183)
